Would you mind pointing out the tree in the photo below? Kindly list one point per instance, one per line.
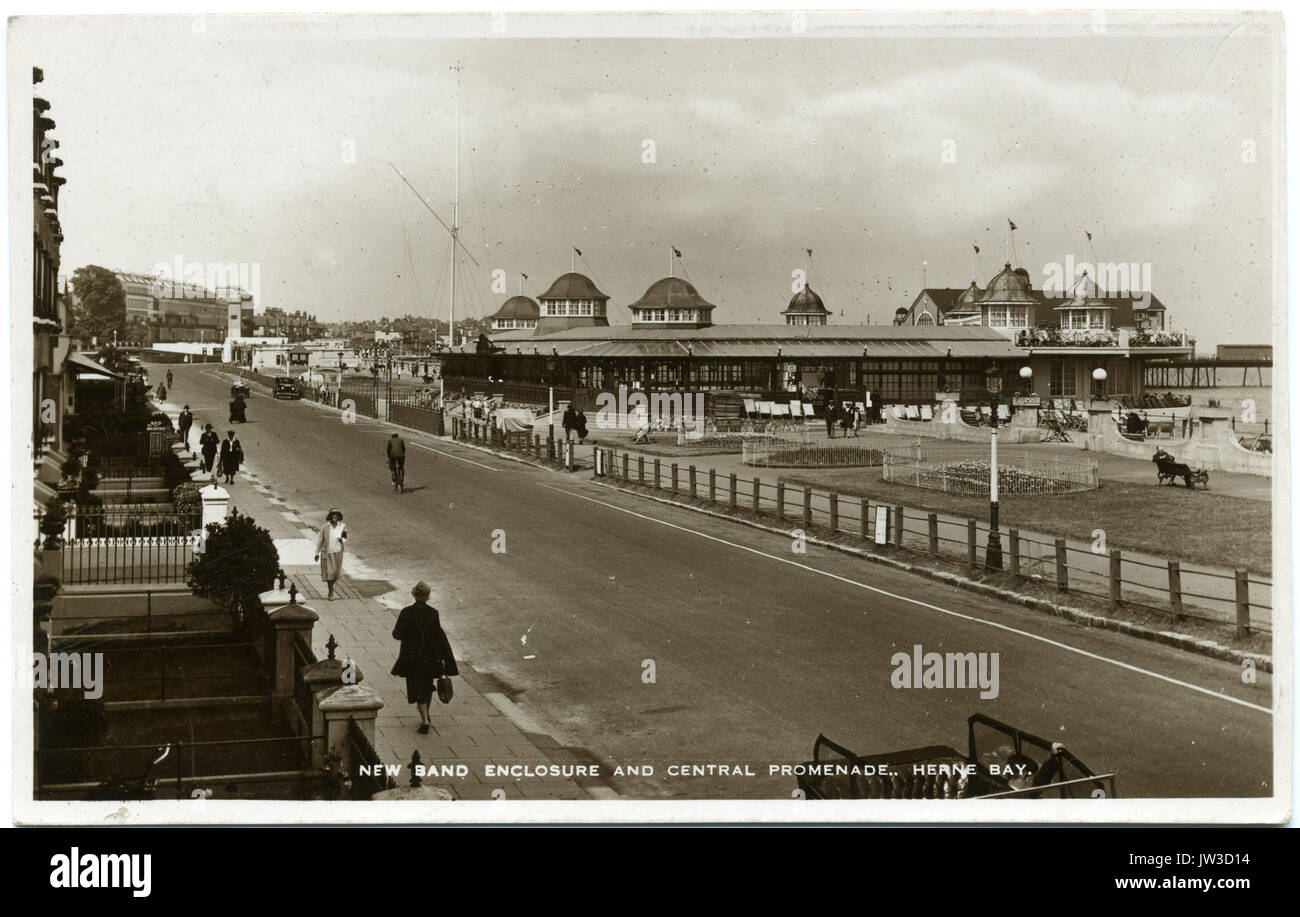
(238, 563)
(100, 305)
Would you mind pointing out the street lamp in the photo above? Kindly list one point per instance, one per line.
(1098, 383)
(993, 379)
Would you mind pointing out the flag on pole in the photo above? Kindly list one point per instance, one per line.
(677, 253)
(523, 275)
(1088, 234)
(809, 251)
(977, 249)
(1013, 225)
(579, 251)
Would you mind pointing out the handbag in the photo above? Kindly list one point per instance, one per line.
(444, 689)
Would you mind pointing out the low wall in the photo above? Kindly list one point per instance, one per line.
(81, 606)
(960, 430)
(1222, 455)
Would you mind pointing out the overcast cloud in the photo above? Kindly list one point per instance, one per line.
(227, 144)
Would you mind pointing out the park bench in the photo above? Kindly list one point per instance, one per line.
(1168, 471)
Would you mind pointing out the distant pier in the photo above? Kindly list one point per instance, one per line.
(1205, 372)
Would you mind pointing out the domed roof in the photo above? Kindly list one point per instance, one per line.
(518, 307)
(671, 293)
(806, 301)
(573, 286)
(969, 296)
(1009, 287)
(1085, 294)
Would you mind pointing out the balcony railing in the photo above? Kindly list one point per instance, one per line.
(1101, 337)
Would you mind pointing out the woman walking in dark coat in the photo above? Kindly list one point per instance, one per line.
(232, 456)
(208, 442)
(425, 655)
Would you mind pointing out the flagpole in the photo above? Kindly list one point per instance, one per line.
(670, 261)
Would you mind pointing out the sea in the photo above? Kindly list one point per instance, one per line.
(1234, 398)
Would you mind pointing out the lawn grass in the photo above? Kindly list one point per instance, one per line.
(1171, 522)
(662, 443)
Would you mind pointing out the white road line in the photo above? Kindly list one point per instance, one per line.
(903, 598)
(450, 456)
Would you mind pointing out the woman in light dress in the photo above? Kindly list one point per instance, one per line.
(329, 548)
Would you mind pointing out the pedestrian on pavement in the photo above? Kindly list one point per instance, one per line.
(830, 419)
(569, 421)
(183, 424)
(208, 442)
(580, 425)
(425, 653)
(232, 456)
(169, 378)
(162, 391)
(330, 542)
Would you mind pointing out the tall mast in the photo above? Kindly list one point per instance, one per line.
(455, 221)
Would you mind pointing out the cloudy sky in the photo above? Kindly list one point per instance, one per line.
(891, 153)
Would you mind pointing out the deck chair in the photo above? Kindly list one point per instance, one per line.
(896, 411)
(912, 413)
(796, 409)
(780, 410)
(809, 410)
(1056, 432)
(862, 408)
(1004, 413)
(927, 412)
(750, 408)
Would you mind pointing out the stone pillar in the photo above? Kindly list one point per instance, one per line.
(216, 500)
(417, 790)
(338, 705)
(322, 679)
(289, 621)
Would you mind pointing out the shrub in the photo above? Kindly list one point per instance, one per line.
(173, 472)
(238, 563)
(186, 499)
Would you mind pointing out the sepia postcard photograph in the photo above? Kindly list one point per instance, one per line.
(726, 417)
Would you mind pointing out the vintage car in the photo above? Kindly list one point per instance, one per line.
(1001, 762)
(285, 387)
(240, 390)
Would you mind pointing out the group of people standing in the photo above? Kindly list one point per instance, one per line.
(847, 416)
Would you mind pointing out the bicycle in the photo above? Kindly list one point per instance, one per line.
(398, 468)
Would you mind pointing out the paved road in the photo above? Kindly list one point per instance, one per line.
(756, 649)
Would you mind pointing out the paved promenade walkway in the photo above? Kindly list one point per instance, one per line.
(473, 730)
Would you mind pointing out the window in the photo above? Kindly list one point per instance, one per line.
(1061, 379)
(997, 316)
(1018, 317)
(925, 318)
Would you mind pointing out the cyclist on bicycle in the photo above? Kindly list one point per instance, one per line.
(397, 460)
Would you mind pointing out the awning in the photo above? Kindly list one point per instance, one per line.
(84, 366)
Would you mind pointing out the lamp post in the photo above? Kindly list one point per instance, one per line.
(1098, 383)
(993, 379)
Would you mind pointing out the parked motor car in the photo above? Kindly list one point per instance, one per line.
(240, 390)
(285, 388)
